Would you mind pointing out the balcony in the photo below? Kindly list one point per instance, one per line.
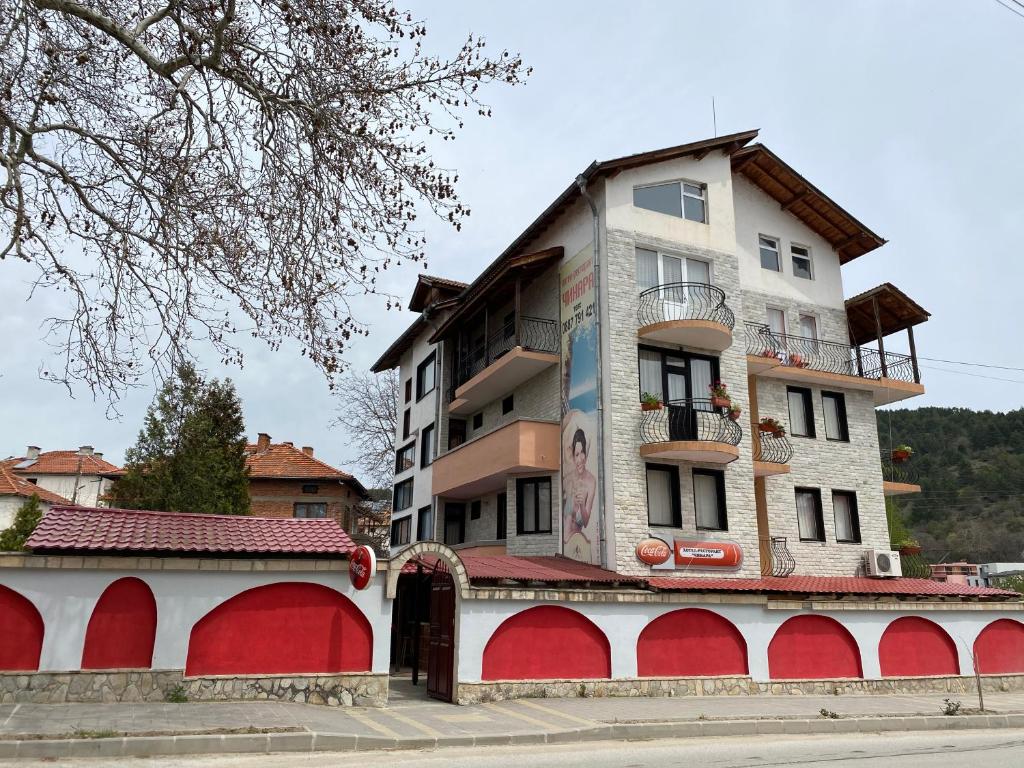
(899, 477)
(482, 465)
(515, 353)
(889, 376)
(689, 430)
(772, 453)
(687, 314)
(776, 559)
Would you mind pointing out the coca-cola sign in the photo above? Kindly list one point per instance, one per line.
(653, 551)
(362, 564)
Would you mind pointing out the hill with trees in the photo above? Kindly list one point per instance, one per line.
(971, 468)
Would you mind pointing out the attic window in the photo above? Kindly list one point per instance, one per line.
(311, 488)
(678, 198)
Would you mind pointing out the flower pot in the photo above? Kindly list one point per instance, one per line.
(910, 550)
(720, 402)
(796, 361)
(766, 428)
(650, 406)
(900, 456)
(734, 415)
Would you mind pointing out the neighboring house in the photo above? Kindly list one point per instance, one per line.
(717, 262)
(81, 477)
(956, 573)
(285, 481)
(16, 490)
(992, 574)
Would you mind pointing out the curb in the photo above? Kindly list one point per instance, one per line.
(264, 743)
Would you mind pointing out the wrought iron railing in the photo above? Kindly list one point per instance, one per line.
(532, 333)
(684, 301)
(775, 449)
(828, 356)
(693, 419)
(915, 566)
(776, 559)
(899, 471)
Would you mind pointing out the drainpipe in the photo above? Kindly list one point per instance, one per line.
(581, 182)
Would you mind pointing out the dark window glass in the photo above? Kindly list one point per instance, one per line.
(400, 531)
(311, 488)
(425, 524)
(502, 532)
(406, 424)
(478, 420)
(801, 412)
(408, 390)
(694, 203)
(309, 509)
(454, 523)
(662, 198)
(533, 505)
(709, 500)
(809, 520)
(425, 376)
(474, 509)
(769, 248)
(403, 496)
(844, 508)
(833, 406)
(405, 458)
(507, 405)
(456, 433)
(801, 261)
(427, 446)
(663, 506)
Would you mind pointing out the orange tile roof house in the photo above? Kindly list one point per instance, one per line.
(285, 481)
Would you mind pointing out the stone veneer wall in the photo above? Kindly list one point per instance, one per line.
(473, 693)
(366, 690)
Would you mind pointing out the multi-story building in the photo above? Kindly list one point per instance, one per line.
(717, 262)
(956, 573)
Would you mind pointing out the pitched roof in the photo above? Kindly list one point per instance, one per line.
(12, 485)
(64, 463)
(283, 461)
(430, 288)
(138, 531)
(896, 312)
(826, 585)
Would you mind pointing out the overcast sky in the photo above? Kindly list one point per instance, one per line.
(908, 114)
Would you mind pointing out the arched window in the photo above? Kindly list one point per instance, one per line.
(21, 633)
(290, 627)
(547, 643)
(122, 627)
(690, 642)
(1000, 648)
(813, 647)
(912, 647)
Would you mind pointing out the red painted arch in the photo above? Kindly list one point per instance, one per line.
(690, 642)
(912, 646)
(283, 628)
(122, 628)
(547, 643)
(813, 647)
(1000, 648)
(21, 633)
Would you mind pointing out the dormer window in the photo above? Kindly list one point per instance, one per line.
(682, 199)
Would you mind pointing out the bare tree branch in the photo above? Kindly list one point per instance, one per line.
(368, 412)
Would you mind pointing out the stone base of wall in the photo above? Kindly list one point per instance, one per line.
(473, 693)
(366, 690)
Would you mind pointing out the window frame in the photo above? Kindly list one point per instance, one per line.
(309, 504)
(681, 185)
(407, 423)
(854, 516)
(768, 319)
(410, 462)
(685, 355)
(478, 420)
(476, 508)
(408, 390)
(537, 482)
(508, 404)
(819, 515)
(778, 252)
(400, 487)
(844, 424)
(677, 502)
(425, 513)
(427, 444)
(501, 532)
(400, 524)
(459, 516)
(809, 257)
(808, 401)
(429, 360)
(459, 432)
(311, 488)
(723, 512)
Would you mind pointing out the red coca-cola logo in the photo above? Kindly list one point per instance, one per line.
(653, 551)
(362, 564)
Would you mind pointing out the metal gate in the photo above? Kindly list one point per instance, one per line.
(441, 662)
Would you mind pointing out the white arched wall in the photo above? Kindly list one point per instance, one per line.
(65, 599)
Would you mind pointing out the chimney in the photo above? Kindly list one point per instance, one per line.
(289, 443)
(98, 454)
(308, 450)
(263, 441)
(32, 453)
(85, 450)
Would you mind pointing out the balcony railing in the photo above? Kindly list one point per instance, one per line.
(899, 471)
(693, 419)
(829, 356)
(776, 559)
(772, 448)
(915, 566)
(684, 301)
(531, 333)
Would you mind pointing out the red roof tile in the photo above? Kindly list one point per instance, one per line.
(281, 461)
(827, 585)
(12, 485)
(125, 530)
(64, 463)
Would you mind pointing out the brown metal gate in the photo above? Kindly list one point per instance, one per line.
(441, 663)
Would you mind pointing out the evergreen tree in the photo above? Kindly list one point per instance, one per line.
(190, 453)
(25, 521)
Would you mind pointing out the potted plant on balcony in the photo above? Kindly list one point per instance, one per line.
(901, 453)
(771, 352)
(719, 395)
(734, 412)
(797, 361)
(771, 426)
(909, 546)
(649, 402)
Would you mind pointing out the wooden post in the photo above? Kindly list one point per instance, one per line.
(860, 363)
(881, 344)
(913, 355)
(518, 319)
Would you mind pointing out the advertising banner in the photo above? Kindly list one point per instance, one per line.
(581, 453)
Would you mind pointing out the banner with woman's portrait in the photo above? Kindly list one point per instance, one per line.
(581, 452)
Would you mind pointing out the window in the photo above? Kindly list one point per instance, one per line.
(675, 375)
(406, 424)
(833, 404)
(507, 405)
(769, 248)
(809, 327)
(425, 376)
(456, 433)
(502, 533)
(478, 420)
(801, 412)
(425, 524)
(427, 446)
(408, 390)
(709, 500)
(681, 199)
(311, 488)
(403, 495)
(405, 458)
(663, 507)
(776, 321)
(844, 507)
(533, 505)
(654, 269)
(454, 523)
(310, 509)
(801, 261)
(474, 509)
(400, 531)
(808, 514)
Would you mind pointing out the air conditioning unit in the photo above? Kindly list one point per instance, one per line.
(884, 563)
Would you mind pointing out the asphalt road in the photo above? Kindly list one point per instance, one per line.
(993, 749)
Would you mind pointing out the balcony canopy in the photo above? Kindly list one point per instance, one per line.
(896, 312)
